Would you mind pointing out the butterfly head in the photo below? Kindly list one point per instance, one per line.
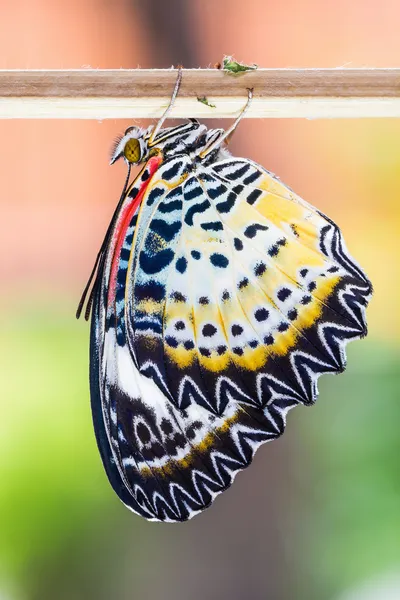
(131, 146)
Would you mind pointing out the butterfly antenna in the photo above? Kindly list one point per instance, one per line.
(167, 111)
(90, 303)
(85, 291)
(99, 262)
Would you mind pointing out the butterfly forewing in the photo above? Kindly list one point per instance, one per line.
(224, 297)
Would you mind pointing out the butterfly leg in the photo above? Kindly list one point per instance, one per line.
(227, 135)
(164, 116)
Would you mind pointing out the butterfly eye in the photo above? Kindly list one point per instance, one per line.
(132, 151)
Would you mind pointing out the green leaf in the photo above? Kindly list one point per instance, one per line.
(232, 66)
(205, 101)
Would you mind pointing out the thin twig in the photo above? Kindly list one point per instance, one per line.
(140, 93)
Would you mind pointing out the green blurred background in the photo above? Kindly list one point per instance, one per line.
(317, 516)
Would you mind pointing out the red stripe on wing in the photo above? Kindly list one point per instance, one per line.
(125, 217)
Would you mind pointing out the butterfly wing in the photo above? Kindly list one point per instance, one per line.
(221, 310)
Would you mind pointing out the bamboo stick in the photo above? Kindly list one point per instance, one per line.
(142, 93)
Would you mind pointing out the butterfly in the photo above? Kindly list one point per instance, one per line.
(219, 297)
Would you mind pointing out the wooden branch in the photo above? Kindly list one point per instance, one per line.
(140, 93)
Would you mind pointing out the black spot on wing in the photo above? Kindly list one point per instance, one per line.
(254, 196)
(237, 330)
(125, 254)
(197, 208)
(166, 230)
(212, 226)
(261, 314)
(293, 227)
(238, 351)
(134, 192)
(143, 433)
(238, 244)
(232, 170)
(171, 341)
(251, 230)
(209, 330)
(205, 351)
(129, 238)
(219, 260)
(169, 207)
(274, 249)
(226, 205)
(172, 172)
(220, 167)
(174, 194)
(217, 192)
(178, 297)
(152, 290)
(283, 294)
(147, 324)
(154, 195)
(134, 221)
(239, 172)
(252, 177)
(145, 175)
(166, 426)
(191, 430)
(191, 193)
(260, 269)
(181, 264)
(155, 263)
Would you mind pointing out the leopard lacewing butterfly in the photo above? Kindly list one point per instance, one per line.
(219, 298)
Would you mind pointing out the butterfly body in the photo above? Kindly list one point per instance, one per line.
(221, 297)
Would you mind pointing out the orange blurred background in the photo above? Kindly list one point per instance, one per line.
(318, 512)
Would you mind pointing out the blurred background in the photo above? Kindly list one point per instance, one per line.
(317, 516)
